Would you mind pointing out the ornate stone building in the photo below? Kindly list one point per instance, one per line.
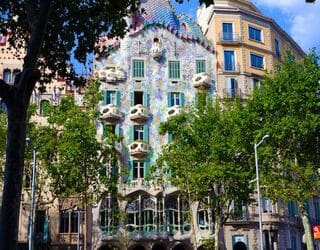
(149, 76)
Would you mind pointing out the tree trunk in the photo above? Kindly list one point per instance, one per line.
(13, 173)
(17, 99)
(217, 227)
(307, 231)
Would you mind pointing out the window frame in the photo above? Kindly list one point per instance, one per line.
(169, 70)
(175, 99)
(277, 47)
(133, 69)
(255, 29)
(263, 66)
(111, 97)
(204, 66)
(226, 38)
(138, 170)
(139, 132)
(234, 68)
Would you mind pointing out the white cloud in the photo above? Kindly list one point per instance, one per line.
(302, 20)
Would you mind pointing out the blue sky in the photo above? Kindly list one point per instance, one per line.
(299, 19)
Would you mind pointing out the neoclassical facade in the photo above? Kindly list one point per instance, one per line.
(149, 76)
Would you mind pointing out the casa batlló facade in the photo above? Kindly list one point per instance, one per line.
(150, 75)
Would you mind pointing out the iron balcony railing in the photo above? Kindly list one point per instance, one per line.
(229, 37)
(232, 93)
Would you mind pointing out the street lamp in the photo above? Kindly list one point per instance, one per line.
(31, 215)
(258, 187)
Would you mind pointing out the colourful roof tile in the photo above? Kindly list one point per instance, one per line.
(162, 13)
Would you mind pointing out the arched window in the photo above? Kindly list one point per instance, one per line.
(203, 216)
(133, 223)
(177, 215)
(109, 211)
(148, 210)
(44, 107)
(7, 75)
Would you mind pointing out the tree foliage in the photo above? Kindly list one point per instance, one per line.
(72, 31)
(209, 156)
(287, 108)
(50, 32)
(75, 160)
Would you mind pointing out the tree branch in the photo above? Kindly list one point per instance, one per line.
(37, 35)
(31, 13)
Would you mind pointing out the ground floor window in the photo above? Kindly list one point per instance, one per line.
(109, 215)
(148, 215)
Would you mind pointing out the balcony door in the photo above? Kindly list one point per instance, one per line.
(227, 29)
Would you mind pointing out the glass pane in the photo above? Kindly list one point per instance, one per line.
(174, 69)
(74, 222)
(227, 31)
(138, 68)
(229, 60)
(200, 66)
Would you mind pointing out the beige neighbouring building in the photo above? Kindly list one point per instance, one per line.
(56, 222)
(249, 44)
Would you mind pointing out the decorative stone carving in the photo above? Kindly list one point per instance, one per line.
(201, 80)
(139, 113)
(138, 149)
(174, 110)
(156, 49)
(110, 113)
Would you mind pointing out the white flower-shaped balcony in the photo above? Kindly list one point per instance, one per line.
(138, 149)
(110, 113)
(139, 113)
(201, 80)
(174, 110)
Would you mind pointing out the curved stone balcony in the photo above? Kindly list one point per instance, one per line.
(138, 149)
(201, 80)
(174, 110)
(112, 75)
(139, 113)
(110, 113)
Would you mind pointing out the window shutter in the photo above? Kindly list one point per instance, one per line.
(104, 97)
(147, 165)
(146, 99)
(146, 133)
(118, 98)
(131, 134)
(132, 98)
(213, 85)
(117, 130)
(169, 99)
(182, 99)
(130, 171)
(170, 137)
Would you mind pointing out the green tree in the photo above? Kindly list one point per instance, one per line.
(209, 157)
(56, 30)
(287, 108)
(68, 148)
